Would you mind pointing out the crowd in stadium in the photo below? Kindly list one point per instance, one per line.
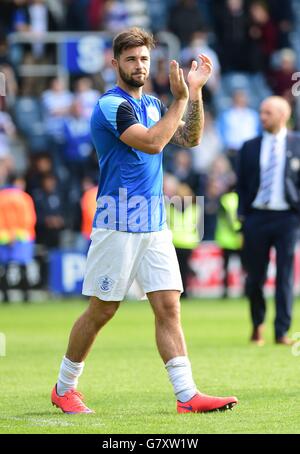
(45, 142)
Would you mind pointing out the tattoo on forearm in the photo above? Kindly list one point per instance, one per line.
(189, 134)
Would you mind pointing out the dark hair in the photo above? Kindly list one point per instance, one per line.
(133, 37)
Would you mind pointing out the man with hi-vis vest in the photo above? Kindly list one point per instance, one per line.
(17, 233)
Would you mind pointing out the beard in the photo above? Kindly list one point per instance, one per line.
(129, 80)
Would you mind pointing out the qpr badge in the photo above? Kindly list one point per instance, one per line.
(105, 283)
(153, 113)
(295, 164)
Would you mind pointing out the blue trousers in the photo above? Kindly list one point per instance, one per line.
(264, 229)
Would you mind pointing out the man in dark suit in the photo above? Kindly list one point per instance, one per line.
(269, 207)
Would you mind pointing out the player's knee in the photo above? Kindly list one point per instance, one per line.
(109, 310)
(168, 310)
(102, 312)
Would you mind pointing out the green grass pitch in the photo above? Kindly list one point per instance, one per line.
(124, 379)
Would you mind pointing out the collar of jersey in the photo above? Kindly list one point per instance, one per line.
(138, 101)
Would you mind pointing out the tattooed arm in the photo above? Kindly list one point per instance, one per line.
(189, 133)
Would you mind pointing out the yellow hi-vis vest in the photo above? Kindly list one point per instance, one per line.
(184, 226)
(227, 233)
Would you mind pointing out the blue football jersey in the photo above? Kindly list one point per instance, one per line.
(130, 194)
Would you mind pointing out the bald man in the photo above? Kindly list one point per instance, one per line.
(269, 207)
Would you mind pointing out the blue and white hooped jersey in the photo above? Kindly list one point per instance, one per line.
(130, 194)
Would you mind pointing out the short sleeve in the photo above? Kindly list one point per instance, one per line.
(125, 117)
(118, 113)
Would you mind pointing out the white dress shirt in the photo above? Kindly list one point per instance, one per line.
(277, 201)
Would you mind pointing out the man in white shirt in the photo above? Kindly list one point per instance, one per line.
(269, 206)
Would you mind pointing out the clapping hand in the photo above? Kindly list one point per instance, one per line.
(199, 72)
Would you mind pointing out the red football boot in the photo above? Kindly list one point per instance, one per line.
(201, 403)
(71, 402)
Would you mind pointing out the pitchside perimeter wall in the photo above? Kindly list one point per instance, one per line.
(67, 268)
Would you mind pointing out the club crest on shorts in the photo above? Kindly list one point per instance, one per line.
(105, 283)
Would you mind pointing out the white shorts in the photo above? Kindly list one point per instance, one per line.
(116, 260)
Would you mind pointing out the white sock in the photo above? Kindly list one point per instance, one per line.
(180, 375)
(68, 375)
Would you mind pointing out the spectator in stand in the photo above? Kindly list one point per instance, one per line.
(282, 14)
(6, 17)
(11, 87)
(149, 90)
(231, 22)
(4, 52)
(8, 69)
(57, 101)
(92, 170)
(199, 45)
(39, 166)
(237, 124)
(7, 133)
(95, 14)
(17, 16)
(183, 170)
(3, 173)
(280, 79)
(206, 9)
(77, 15)
(228, 233)
(219, 178)
(77, 144)
(158, 13)
(86, 95)
(263, 35)
(17, 233)
(108, 74)
(116, 16)
(183, 217)
(161, 82)
(185, 18)
(7, 166)
(50, 208)
(209, 148)
(34, 16)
